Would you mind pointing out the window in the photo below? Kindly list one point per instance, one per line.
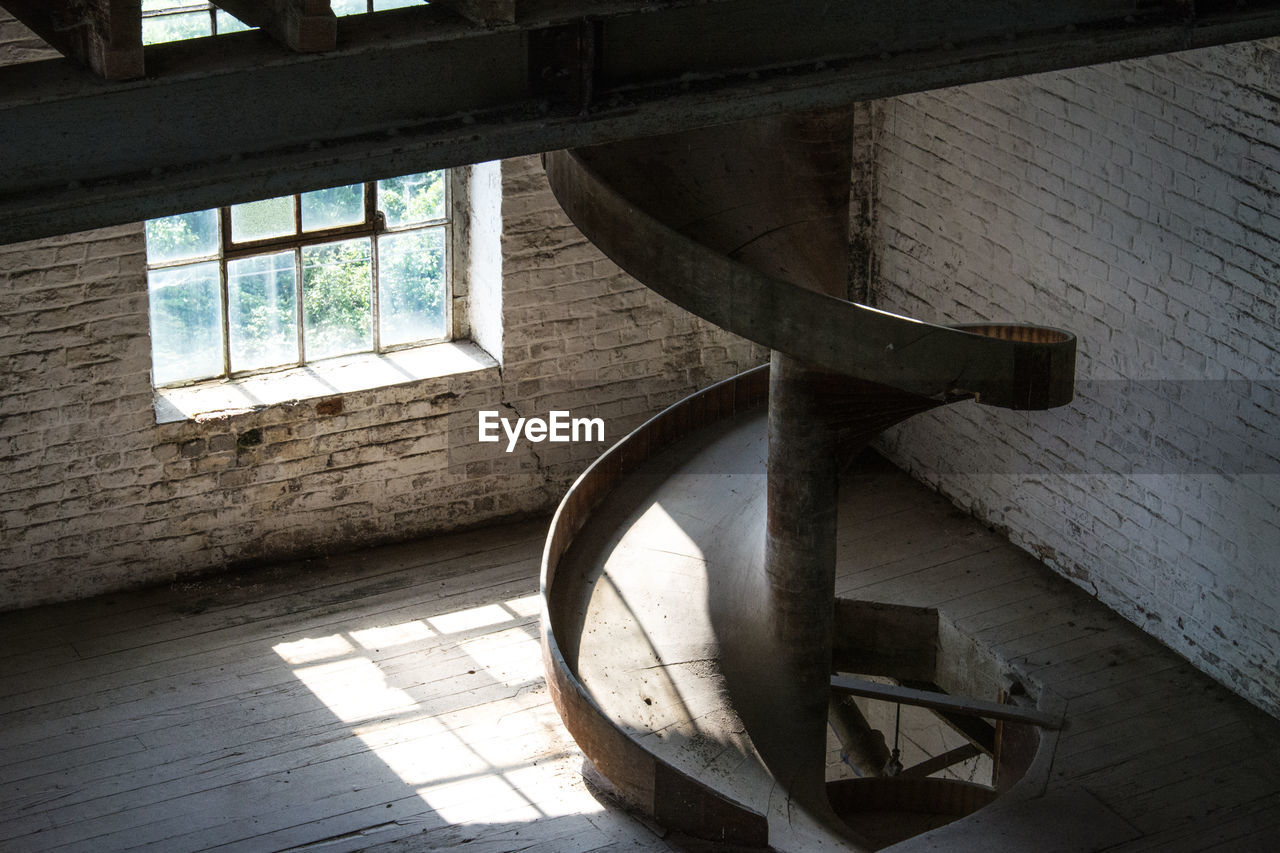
(291, 280)
(172, 20)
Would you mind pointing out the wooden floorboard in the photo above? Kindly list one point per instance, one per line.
(238, 595)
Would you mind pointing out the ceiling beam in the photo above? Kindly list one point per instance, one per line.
(234, 117)
(105, 36)
(306, 26)
(484, 12)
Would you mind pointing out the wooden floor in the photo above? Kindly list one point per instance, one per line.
(393, 700)
(1154, 755)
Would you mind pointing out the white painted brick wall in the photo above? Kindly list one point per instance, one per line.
(1138, 205)
(95, 496)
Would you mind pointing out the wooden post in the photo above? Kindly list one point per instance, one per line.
(104, 35)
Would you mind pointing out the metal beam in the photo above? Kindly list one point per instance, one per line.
(302, 25)
(849, 686)
(234, 117)
(941, 762)
(105, 36)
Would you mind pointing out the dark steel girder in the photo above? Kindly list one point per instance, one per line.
(235, 117)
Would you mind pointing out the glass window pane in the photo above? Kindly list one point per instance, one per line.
(333, 208)
(258, 220)
(349, 7)
(379, 5)
(182, 237)
(262, 311)
(186, 323)
(336, 296)
(230, 23)
(186, 25)
(410, 199)
(411, 286)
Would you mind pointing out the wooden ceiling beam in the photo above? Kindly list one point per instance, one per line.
(485, 12)
(307, 26)
(103, 35)
(226, 119)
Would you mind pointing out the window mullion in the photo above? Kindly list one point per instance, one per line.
(225, 310)
(447, 265)
(374, 300)
(371, 219)
(301, 309)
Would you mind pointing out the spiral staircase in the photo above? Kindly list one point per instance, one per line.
(693, 641)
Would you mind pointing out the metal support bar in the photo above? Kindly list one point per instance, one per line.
(976, 730)
(864, 747)
(850, 686)
(941, 762)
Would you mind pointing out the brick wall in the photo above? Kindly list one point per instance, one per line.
(1138, 205)
(95, 496)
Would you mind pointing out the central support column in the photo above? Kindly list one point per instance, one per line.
(808, 180)
(799, 568)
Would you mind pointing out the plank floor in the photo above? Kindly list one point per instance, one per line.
(393, 700)
(1172, 760)
(388, 700)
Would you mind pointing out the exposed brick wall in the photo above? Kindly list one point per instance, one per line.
(1138, 205)
(95, 496)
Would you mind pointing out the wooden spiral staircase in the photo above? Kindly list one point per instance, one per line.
(691, 632)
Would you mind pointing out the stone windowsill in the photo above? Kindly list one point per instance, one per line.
(343, 375)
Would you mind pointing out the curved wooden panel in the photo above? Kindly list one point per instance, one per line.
(680, 801)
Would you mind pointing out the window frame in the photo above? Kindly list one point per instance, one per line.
(372, 227)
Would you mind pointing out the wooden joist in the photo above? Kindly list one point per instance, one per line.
(485, 12)
(850, 686)
(104, 35)
(307, 26)
(419, 88)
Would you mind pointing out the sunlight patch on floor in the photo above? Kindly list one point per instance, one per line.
(470, 619)
(484, 763)
(354, 689)
(392, 635)
(310, 649)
